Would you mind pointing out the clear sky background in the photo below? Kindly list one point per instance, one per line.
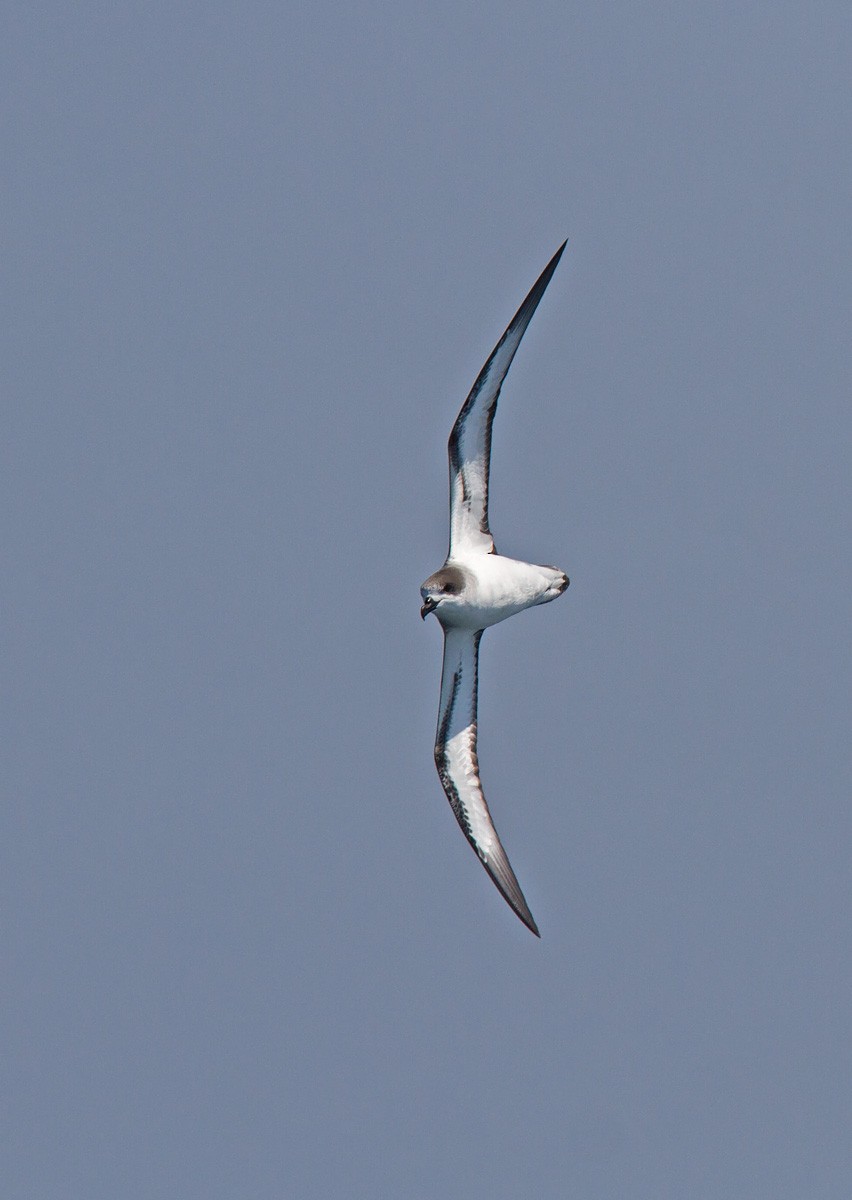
(254, 256)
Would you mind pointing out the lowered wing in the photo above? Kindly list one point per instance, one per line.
(458, 766)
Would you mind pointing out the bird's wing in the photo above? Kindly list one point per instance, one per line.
(458, 766)
(470, 440)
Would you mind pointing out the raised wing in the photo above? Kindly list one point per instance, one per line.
(470, 440)
(458, 766)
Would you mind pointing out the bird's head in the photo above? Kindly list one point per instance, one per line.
(442, 591)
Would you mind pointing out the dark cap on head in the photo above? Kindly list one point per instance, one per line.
(449, 580)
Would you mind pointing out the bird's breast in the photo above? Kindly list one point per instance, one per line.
(500, 587)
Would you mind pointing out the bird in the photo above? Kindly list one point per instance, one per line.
(475, 589)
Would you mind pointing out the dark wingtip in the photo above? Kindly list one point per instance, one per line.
(536, 292)
(500, 870)
(530, 923)
(554, 262)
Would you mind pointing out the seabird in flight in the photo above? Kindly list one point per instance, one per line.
(477, 587)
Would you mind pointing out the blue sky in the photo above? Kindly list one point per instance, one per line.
(254, 258)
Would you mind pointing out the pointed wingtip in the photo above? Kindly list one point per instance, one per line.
(529, 921)
(530, 924)
(524, 314)
(499, 868)
(553, 262)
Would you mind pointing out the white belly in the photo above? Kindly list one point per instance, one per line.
(503, 587)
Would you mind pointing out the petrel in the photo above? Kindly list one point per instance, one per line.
(477, 587)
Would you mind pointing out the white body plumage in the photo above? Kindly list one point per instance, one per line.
(477, 588)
